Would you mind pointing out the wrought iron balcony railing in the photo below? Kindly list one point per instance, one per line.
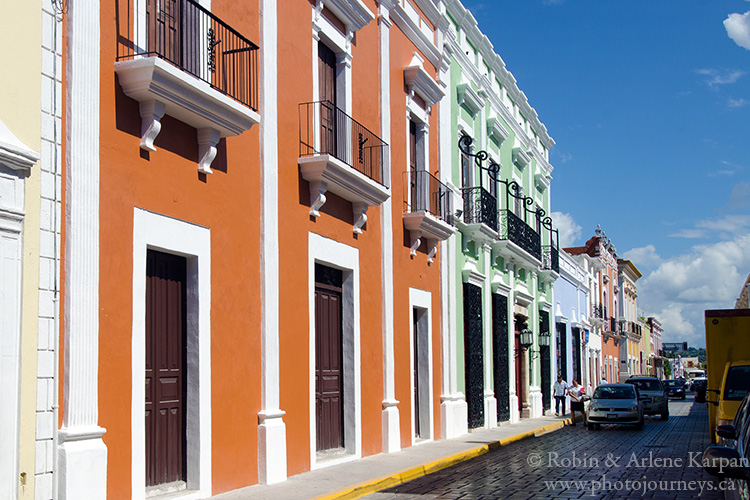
(599, 311)
(613, 325)
(551, 258)
(326, 129)
(480, 207)
(425, 193)
(513, 228)
(196, 41)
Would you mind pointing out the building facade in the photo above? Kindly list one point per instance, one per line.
(504, 260)
(627, 315)
(577, 344)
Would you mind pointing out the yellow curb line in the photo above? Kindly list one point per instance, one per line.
(375, 485)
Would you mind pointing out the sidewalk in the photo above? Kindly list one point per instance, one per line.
(361, 477)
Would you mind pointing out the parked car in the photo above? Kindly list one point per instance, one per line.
(615, 404)
(674, 388)
(697, 380)
(653, 397)
(730, 460)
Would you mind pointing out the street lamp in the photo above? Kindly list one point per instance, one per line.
(526, 339)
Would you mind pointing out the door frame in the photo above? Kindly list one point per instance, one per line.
(322, 250)
(422, 301)
(166, 234)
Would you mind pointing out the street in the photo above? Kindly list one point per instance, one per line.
(661, 461)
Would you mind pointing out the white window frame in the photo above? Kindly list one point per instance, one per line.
(422, 300)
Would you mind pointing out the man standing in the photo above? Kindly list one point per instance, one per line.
(560, 389)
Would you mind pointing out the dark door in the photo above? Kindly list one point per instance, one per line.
(327, 86)
(329, 394)
(501, 372)
(519, 367)
(415, 205)
(545, 363)
(163, 35)
(165, 368)
(473, 355)
(577, 354)
(562, 352)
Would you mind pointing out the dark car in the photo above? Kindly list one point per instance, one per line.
(674, 388)
(730, 461)
(651, 394)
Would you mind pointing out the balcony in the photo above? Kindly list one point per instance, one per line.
(518, 242)
(428, 209)
(479, 222)
(340, 155)
(183, 61)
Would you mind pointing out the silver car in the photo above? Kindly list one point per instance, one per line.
(615, 404)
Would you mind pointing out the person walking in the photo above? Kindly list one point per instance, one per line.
(560, 390)
(576, 401)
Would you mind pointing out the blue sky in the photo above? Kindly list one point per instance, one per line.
(649, 104)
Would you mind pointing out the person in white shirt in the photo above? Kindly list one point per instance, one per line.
(576, 401)
(560, 390)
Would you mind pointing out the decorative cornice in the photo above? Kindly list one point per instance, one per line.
(420, 82)
(521, 157)
(496, 130)
(469, 98)
(14, 154)
(353, 13)
(542, 181)
(471, 275)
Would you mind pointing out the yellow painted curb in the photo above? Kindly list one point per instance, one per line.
(381, 483)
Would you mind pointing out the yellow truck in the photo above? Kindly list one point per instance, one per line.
(728, 364)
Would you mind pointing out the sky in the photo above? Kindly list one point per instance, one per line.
(648, 102)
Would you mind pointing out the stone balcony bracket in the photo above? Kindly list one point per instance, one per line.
(423, 225)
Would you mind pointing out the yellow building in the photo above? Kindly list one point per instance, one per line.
(627, 315)
(20, 207)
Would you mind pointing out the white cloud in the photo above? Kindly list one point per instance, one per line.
(717, 77)
(569, 230)
(706, 277)
(689, 234)
(738, 103)
(726, 224)
(738, 29)
(643, 256)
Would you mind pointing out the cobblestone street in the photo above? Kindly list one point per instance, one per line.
(661, 461)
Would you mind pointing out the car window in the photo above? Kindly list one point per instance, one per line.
(646, 385)
(614, 393)
(738, 383)
(673, 383)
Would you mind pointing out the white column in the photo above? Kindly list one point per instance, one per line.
(515, 414)
(390, 415)
(271, 428)
(82, 453)
(490, 403)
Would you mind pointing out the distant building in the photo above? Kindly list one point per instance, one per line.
(743, 302)
(674, 346)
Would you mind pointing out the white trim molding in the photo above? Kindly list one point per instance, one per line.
(322, 250)
(469, 98)
(419, 82)
(353, 13)
(496, 130)
(422, 300)
(14, 154)
(166, 234)
(82, 454)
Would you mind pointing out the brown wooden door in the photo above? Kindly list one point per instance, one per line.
(165, 368)
(415, 205)
(329, 396)
(327, 86)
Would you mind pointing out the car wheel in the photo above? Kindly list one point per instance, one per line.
(590, 426)
(665, 415)
(598, 427)
(683, 397)
(639, 425)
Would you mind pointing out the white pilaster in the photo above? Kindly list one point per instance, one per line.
(391, 425)
(490, 403)
(82, 453)
(271, 428)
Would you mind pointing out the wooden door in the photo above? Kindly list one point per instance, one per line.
(327, 90)
(329, 387)
(165, 368)
(415, 182)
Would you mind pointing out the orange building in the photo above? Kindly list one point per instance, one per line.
(251, 280)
